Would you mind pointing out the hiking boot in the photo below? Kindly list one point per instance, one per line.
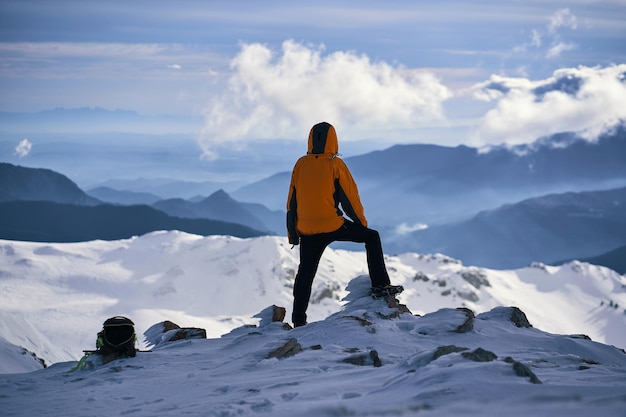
(380, 292)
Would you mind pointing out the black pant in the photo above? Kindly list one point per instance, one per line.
(311, 250)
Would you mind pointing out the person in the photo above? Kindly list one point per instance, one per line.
(320, 182)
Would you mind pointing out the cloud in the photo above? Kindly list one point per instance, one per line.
(23, 148)
(51, 60)
(562, 18)
(588, 101)
(405, 229)
(282, 96)
(557, 49)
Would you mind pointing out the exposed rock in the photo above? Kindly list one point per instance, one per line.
(168, 331)
(323, 293)
(188, 333)
(519, 318)
(512, 314)
(468, 295)
(392, 302)
(446, 350)
(475, 278)
(365, 359)
(168, 325)
(522, 370)
(579, 336)
(272, 314)
(480, 355)
(290, 348)
(468, 325)
(278, 313)
(362, 321)
(420, 276)
(37, 358)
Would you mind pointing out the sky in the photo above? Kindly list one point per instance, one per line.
(447, 72)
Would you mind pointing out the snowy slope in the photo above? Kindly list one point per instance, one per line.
(65, 291)
(365, 360)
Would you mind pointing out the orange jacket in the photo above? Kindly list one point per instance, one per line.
(320, 181)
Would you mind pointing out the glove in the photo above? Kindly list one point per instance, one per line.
(294, 240)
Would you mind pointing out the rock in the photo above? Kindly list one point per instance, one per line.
(188, 333)
(168, 325)
(475, 277)
(519, 318)
(271, 314)
(446, 350)
(278, 313)
(290, 348)
(362, 321)
(35, 357)
(522, 370)
(365, 359)
(392, 302)
(468, 325)
(168, 331)
(480, 355)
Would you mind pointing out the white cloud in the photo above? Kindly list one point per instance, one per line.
(560, 47)
(282, 96)
(23, 148)
(405, 229)
(51, 60)
(562, 18)
(588, 101)
(536, 38)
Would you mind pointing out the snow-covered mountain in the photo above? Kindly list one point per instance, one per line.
(545, 229)
(371, 358)
(65, 291)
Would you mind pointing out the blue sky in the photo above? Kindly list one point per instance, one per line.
(448, 72)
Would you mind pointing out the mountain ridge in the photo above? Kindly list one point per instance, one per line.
(42, 221)
(542, 229)
(436, 184)
(218, 206)
(34, 184)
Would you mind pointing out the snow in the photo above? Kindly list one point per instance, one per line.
(54, 298)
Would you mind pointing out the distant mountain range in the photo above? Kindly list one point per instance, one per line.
(559, 198)
(128, 198)
(221, 206)
(43, 205)
(437, 184)
(146, 189)
(31, 184)
(42, 221)
(544, 229)
(614, 259)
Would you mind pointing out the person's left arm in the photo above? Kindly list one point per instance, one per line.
(348, 194)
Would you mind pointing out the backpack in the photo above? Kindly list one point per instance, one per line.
(117, 336)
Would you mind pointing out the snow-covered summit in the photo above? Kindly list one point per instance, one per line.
(64, 292)
(370, 358)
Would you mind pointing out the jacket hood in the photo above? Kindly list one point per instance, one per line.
(323, 139)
